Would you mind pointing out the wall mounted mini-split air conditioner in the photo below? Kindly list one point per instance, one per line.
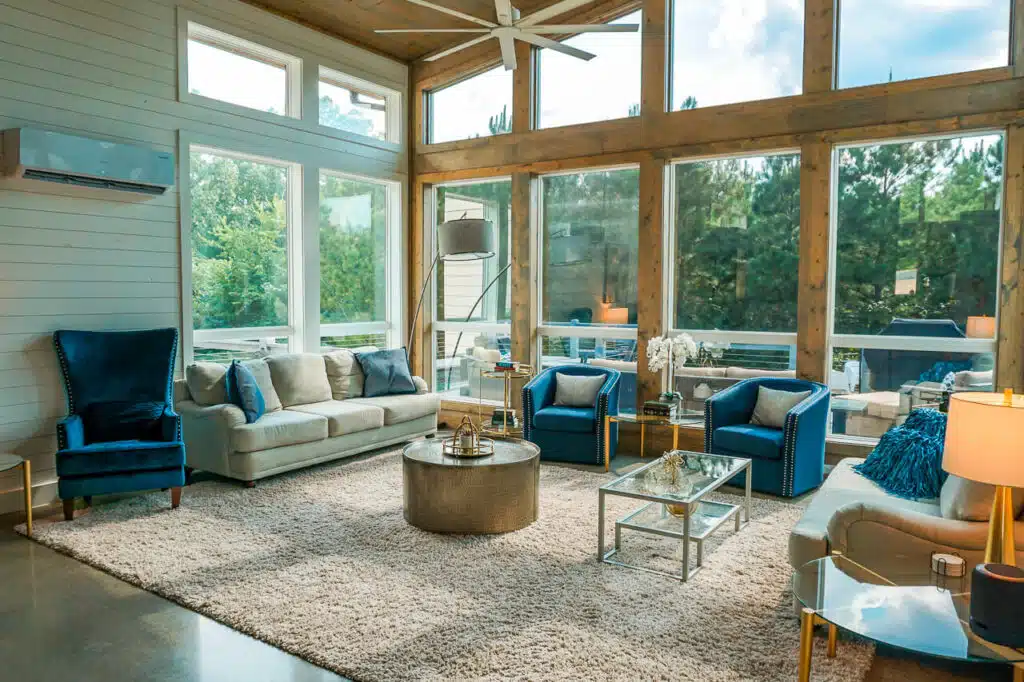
(37, 154)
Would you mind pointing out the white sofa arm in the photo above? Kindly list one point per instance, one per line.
(865, 531)
(207, 434)
(421, 385)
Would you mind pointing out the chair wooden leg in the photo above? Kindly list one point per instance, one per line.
(69, 509)
(175, 497)
(250, 484)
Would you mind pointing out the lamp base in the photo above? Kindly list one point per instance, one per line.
(1000, 548)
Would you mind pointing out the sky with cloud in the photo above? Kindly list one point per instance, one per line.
(741, 50)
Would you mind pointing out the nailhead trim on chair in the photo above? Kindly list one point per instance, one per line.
(64, 372)
(788, 458)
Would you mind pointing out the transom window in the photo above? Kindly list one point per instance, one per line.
(479, 106)
(357, 106)
(227, 68)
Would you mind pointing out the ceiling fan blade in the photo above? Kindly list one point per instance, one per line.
(541, 41)
(508, 48)
(549, 12)
(585, 28)
(457, 48)
(432, 30)
(503, 10)
(453, 12)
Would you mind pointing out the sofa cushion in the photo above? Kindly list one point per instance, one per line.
(403, 408)
(966, 500)
(299, 378)
(275, 429)
(564, 418)
(756, 441)
(120, 457)
(624, 366)
(206, 382)
(746, 373)
(386, 372)
(688, 371)
(123, 420)
(345, 416)
(344, 373)
(261, 371)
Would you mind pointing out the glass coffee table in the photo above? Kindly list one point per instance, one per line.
(674, 487)
(686, 418)
(900, 604)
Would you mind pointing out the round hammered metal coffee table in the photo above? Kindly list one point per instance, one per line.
(493, 494)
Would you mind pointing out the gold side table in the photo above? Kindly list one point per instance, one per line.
(10, 461)
(505, 430)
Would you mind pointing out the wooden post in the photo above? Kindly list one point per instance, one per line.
(653, 66)
(524, 316)
(523, 88)
(1017, 39)
(414, 231)
(649, 309)
(812, 300)
(1010, 352)
(819, 45)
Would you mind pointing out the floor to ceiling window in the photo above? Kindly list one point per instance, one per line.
(472, 321)
(734, 236)
(917, 234)
(589, 241)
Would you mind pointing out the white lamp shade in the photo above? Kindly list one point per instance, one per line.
(985, 438)
(466, 239)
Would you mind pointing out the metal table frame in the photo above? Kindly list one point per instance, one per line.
(692, 509)
(674, 423)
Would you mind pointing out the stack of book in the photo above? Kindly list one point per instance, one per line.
(498, 419)
(660, 408)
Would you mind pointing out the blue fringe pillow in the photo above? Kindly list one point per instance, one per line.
(907, 462)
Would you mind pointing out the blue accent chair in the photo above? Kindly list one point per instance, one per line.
(570, 434)
(786, 462)
(121, 433)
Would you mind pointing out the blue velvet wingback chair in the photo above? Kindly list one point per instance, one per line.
(121, 433)
(570, 434)
(786, 462)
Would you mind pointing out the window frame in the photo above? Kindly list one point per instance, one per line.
(197, 30)
(392, 99)
(293, 255)
(392, 326)
(427, 132)
(900, 343)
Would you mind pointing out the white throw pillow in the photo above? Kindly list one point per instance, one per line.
(300, 378)
(575, 390)
(966, 500)
(206, 383)
(344, 373)
(773, 406)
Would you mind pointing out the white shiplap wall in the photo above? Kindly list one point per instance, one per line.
(75, 258)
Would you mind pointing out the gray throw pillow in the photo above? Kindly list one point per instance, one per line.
(387, 373)
(206, 383)
(575, 390)
(773, 406)
(966, 500)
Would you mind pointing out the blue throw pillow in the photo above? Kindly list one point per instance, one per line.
(387, 373)
(243, 391)
(907, 462)
(123, 420)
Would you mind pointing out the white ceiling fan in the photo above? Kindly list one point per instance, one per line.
(511, 28)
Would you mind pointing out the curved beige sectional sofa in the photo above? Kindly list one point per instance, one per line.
(315, 413)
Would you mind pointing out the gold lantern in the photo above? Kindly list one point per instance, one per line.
(467, 441)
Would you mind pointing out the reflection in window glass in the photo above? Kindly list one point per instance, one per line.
(480, 106)
(894, 40)
(231, 77)
(737, 243)
(874, 390)
(735, 51)
(590, 239)
(353, 250)
(354, 341)
(619, 354)
(226, 350)
(239, 242)
(353, 111)
(720, 365)
(917, 243)
(606, 87)
(460, 284)
(463, 359)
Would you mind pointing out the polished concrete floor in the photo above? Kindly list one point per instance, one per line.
(63, 620)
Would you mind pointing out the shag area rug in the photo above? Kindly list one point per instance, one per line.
(322, 564)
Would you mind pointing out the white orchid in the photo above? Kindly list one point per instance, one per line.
(658, 354)
(665, 351)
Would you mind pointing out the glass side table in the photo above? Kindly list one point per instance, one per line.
(8, 462)
(901, 604)
(687, 418)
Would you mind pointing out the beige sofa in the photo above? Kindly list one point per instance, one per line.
(853, 515)
(315, 413)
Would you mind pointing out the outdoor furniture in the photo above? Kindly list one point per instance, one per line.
(787, 461)
(571, 434)
(492, 494)
(121, 433)
(674, 487)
